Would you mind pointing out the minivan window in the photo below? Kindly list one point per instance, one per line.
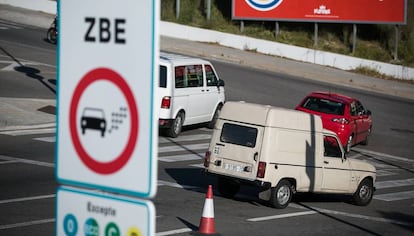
(211, 76)
(188, 76)
(163, 77)
(239, 135)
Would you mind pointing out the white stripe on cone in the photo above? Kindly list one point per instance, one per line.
(208, 210)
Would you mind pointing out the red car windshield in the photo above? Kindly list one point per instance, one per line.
(324, 106)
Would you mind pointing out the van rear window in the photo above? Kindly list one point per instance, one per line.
(239, 135)
(163, 77)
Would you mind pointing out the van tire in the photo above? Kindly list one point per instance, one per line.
(228, 188)
(364, 193)
(216, 115)
(281, 195)
(176, 126)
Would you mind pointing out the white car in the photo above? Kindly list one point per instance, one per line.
(190, 92)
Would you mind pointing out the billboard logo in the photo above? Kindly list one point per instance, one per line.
(264, 5)
(322, 10)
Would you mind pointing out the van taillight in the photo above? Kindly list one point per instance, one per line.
(166, 102)
(261, 169)
(207, 159)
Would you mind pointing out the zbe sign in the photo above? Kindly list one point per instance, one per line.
(107, 68)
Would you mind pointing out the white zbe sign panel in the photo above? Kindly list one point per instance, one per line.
(107, 79)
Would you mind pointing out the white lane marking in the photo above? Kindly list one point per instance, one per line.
(394, 183)
(185, 157)
(371, 218)
(282, 216)
(175, 231)
(8, 25)
(183, 147)
(175, 185)
(51, 139)
(384, 173)
(184, 138)
(389, 197)
(8, 162)
(26, 161)
(27, 199)
(29, 223)
(29, 131)
(198, 166)
(383, 155)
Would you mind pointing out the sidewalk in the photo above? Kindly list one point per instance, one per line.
(210, 51)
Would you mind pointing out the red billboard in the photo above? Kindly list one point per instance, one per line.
(349, 11)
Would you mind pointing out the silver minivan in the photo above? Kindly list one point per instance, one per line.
(190, 92)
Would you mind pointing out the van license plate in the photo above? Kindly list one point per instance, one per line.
(232, 167)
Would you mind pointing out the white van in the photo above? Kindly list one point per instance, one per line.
(283, 151)
(190, 92)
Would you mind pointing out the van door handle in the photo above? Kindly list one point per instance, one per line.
(256, 154)
(326, 162)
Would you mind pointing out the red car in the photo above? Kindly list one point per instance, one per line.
(341, 114)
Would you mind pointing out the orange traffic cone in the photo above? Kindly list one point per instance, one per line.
(207, 220)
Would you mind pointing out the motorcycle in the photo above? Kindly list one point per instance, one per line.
(52, 32)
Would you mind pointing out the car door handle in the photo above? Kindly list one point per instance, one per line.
(256, 154)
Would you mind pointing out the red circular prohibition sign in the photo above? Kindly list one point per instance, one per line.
(113, 77)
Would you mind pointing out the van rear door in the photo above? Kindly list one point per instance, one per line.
(236, 151)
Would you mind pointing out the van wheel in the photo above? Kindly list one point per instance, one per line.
(281, 195)
(216, 115)
(176, 126)
(364, 193)
(228, 188)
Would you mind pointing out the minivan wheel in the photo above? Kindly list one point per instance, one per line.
(228, 188)
(281, 195)
(364, 193)
(216, 115)
(176, 126)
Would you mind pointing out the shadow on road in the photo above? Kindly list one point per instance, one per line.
(29, 71)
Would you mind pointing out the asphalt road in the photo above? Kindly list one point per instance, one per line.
(27, 156)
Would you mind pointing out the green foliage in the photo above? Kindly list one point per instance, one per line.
(372, 51)
(375, 42)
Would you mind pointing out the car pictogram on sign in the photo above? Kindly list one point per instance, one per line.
(93, 118)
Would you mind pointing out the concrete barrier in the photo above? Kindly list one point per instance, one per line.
(247, 43)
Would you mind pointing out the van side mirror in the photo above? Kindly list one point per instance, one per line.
(220, 83)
